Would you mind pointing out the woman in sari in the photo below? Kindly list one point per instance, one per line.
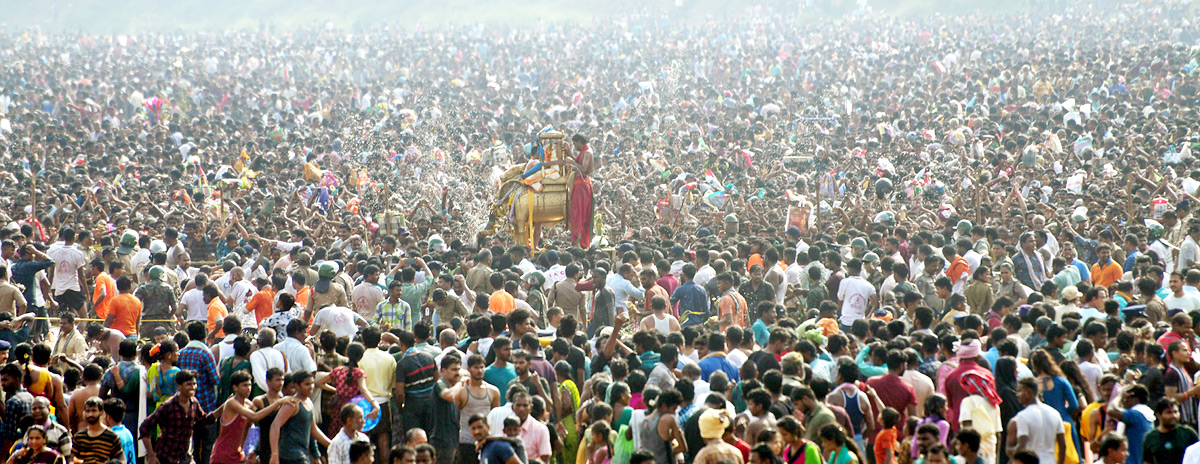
(35, 450)
(568, 404)
(161, 375)
(240, 361)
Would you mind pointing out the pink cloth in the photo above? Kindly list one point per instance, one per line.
(580, 221)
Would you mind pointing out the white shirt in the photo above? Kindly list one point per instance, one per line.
(888, 285)
(855, 293)
(225, 347)
(623, 290)
(297, 356)
(557, 273)
(495, 419)
(1042, 425)
(197, 309)
(437, 360)
(263, 359)
(365, 297)
(173, 254)
(339, 319)
(1091, 374)
(1189, 252)
(241, 292)
(1187, 302)
(223, 284)
(793, 274)
(737, 357)
(67, 262)
(1164, 256)
(781, 287)
(704, 274)
(916, 267)
(972, 257)
(526, 266)
(339, 447)
(140, 260)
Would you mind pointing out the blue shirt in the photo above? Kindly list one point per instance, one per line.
(991, 355)
(126, 442)
(499, 377)
(1130, 260)
(761, 333)
(718, 363)
(693, 304)
(496, 452)
(1137, 425)
(1084, 273)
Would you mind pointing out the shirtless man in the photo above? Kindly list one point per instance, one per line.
(758, 407)
(91, 387)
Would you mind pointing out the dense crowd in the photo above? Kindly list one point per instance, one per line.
(868, 240)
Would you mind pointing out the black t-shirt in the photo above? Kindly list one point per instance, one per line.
(1167, 447)
(578, 361)
(1152, 379)
(782, 408)
(691, 432)
(445, 419)
(764, 361)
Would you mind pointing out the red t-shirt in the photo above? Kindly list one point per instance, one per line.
(893, 392)
(744, 447)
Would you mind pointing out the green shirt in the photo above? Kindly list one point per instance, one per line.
(820, 417)
(414, 295)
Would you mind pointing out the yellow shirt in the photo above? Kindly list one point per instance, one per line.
(380, 370)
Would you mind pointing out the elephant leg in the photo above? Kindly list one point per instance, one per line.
(521, 234)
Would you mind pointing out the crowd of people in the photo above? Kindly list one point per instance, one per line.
(869, 240)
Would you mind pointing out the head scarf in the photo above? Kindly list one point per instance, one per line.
(980, 382)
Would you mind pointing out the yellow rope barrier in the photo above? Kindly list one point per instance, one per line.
(86, 319)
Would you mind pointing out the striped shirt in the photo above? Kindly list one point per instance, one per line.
(98, 449)
(417, 370)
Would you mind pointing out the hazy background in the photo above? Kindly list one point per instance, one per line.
(125, 16)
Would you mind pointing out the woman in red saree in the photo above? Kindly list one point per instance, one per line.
(580, 222)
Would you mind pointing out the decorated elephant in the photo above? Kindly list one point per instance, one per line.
(534, 194)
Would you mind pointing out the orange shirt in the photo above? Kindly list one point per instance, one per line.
(733, 303)
(126, 309)
(262, 304)
(302, 296)
(1103, 276)
(216, 312)
(958, 269)
(501, 302)
(754, 259)
(105, 285)
(885, 444)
